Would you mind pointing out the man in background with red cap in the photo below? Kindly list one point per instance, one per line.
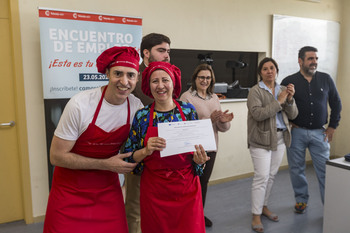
(86, 194)
(154, 47)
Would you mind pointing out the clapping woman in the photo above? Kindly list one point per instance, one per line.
(207, 105)
(270, 106)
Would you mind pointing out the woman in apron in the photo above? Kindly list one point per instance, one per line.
(170, 192)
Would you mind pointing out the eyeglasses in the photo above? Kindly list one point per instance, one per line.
(202, 78)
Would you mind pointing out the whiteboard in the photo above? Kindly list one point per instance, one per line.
(292, 33)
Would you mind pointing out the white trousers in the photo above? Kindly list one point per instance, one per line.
(266, 164)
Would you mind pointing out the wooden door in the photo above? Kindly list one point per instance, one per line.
(11, 201)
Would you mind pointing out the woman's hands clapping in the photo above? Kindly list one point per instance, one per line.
(286, 94)
(290, 91)
(219, 116)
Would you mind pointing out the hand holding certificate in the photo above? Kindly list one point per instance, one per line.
(182, 136)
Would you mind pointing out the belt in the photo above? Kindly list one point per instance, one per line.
(279, 129)
(296, 126)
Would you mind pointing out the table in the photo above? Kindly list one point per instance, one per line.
(337, 196)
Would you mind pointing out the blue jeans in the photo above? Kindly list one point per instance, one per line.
(313, 139)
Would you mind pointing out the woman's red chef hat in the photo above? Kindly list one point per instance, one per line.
(118, 56)
(173, 71)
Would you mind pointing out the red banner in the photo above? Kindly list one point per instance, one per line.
(89, 17)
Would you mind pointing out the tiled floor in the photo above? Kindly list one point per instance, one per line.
(228, 206)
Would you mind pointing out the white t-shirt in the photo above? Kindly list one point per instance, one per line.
(80, 110)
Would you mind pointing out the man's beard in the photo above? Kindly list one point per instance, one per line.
(309, 71)
(152, 59)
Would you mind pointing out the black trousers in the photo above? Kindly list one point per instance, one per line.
(204, 179)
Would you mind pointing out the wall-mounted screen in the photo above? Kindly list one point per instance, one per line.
(228, 66)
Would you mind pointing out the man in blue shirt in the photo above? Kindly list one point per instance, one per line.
(313, 91)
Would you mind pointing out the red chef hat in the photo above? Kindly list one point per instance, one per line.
(118, 56)
(173, 71)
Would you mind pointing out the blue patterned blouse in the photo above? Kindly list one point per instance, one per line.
(140, 125)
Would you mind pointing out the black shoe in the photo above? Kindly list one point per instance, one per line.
(208, 223)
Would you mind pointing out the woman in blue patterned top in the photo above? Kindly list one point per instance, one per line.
(170, 193)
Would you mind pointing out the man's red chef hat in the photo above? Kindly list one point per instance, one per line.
(118, 56)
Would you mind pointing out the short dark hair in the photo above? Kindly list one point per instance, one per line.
(305, 49)
(151, 40)
(203, 66)
(263, 61)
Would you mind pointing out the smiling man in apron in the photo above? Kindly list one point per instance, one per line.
(86, 194)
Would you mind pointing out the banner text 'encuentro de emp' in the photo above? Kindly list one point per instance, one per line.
(70, 43)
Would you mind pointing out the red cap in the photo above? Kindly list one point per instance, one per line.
(118, 56)
(173, 71)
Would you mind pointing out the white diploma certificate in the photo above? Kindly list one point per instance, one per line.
(182, 136)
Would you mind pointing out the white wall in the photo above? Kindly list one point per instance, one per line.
(233, 158)
(341, 145)
(232, 25)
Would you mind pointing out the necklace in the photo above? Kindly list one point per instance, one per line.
(172, 114)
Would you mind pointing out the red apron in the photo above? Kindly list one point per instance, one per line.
(89, 201)
(171, 199)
